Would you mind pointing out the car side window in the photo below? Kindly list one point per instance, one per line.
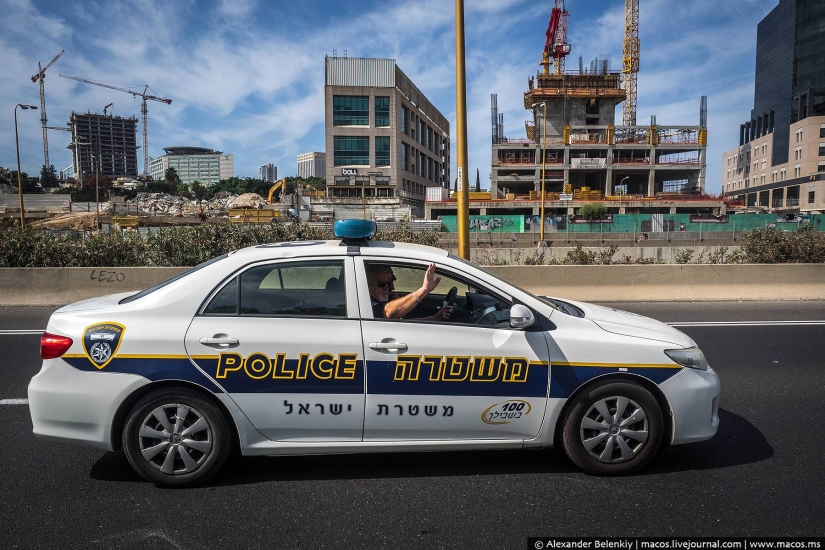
(473, 304)
(310, 288)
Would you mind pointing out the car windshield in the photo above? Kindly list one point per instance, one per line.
(177, 277)
(558, 305)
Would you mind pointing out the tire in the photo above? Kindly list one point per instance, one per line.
(176, 438)
(617, 446)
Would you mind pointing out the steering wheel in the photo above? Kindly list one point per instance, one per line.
(449, 300)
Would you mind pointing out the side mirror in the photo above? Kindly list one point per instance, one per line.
(521, 316)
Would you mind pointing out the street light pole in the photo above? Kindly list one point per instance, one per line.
(621, 184)
(19, 180)
(97, 193)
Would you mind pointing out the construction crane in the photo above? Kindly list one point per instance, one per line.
(555, 44)
(630, 59)
(41, 76)
(106, 107)
(143, 111)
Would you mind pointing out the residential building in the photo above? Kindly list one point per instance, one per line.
(103, 143)
(779, 165)
(312, 165)
(269, 172)
(194, 163)
(385, 140)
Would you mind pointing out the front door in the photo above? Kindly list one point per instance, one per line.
(284, 341)
(472, 377)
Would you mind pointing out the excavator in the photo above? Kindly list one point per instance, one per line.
(280, 185)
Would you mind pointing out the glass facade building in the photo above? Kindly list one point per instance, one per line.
(790, 73)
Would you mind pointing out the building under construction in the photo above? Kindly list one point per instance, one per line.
(105, 144)
(574, 141)
(576, 152)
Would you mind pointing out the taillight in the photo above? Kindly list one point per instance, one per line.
(53, 346)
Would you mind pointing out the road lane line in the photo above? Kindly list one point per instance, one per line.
(745, 323)
(19, 332)
(14, 401)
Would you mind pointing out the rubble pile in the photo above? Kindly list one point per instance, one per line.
(163, 204)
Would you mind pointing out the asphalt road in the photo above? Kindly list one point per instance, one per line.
(761, 475)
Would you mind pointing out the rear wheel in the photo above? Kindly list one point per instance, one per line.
(176, 438)
(613, 428)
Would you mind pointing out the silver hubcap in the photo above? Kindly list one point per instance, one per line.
(175, 439)
(614, 429)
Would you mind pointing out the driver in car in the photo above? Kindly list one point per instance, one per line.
(381, 279)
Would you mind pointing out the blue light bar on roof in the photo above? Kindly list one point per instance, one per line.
(354, 229)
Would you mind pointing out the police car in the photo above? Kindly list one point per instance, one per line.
(279, 349)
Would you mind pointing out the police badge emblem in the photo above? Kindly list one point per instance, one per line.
(101, 342)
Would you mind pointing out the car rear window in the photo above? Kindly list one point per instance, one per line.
(177, 277)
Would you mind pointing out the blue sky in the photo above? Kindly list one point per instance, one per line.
(247, 76)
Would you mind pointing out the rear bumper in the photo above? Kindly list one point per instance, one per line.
(75, 407)
(694, 399)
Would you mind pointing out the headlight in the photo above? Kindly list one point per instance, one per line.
(692, 358)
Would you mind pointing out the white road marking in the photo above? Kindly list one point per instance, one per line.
(745, 323)
(14, 401)
(19, 332)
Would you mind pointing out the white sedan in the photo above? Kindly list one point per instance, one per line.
(355, 346)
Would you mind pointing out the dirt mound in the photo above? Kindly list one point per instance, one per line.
(81, 221)
(249, 200)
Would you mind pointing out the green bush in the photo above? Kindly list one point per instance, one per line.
(167, 247)
(593, 211)
(772, 246)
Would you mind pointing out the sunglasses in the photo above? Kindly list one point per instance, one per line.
(381, 285)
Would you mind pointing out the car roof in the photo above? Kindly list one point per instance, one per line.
(298, 249)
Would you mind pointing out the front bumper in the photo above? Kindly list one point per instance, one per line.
(75, 407)
(694, 399)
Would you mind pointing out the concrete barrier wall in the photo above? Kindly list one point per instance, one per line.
(615, 283)
(50, 286)
(653, 283)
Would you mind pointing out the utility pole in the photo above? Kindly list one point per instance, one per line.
(463, 211)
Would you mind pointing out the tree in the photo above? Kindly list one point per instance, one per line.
(172, 179)
(48, 177)
(30, 184)
(182, 190)
(478, 181)
(197, 189)
(593, 211)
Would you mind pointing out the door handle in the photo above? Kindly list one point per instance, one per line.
(219, 341)
(388, 346)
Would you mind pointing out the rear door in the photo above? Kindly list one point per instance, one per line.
(283, 339)
(472, 377)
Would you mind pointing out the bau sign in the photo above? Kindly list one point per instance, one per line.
(349, 171)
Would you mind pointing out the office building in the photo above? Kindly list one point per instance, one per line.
(103, 143)
(268, 172)
(312, 165)
(194, 163)
(384, 139)
(779, 165)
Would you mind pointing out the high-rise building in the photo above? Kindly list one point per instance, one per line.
(312, 165)
(103, 143)
(269, 172)
(194, 163)
(383, 136)
(781, 155)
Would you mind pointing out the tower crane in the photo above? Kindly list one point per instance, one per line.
(143, 111)
(41, 76)
(555, 44)
(106, 107)
(630, 59)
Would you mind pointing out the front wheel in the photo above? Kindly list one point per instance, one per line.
(613, 428)
(176, 438)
